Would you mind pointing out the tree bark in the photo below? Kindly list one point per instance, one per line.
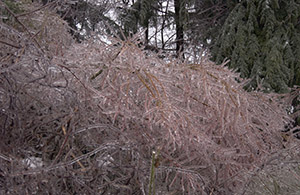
(179, 9)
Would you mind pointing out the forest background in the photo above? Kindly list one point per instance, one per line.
(150, 96)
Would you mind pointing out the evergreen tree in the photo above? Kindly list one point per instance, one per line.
(140, 14)
(206, 19)
(144, 13)
(262, 40)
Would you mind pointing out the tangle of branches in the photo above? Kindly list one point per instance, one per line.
(85, 118)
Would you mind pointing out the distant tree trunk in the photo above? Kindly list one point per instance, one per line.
(179, 10)
(147, 33)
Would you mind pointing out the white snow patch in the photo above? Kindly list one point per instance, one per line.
(33, 162)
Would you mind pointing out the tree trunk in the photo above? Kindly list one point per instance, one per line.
(179, 10)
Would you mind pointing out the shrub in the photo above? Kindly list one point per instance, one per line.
(85, 118)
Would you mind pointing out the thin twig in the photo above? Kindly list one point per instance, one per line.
(25, 28)
(9, 44)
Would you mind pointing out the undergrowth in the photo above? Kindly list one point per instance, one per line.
(85, 118)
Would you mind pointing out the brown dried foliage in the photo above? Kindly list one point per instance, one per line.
(94, 112)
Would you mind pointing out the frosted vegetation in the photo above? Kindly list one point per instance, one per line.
(91, 114)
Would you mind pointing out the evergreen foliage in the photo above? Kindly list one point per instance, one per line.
(261, 38)
(144, 14)
(140, 13)
(207, 19)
